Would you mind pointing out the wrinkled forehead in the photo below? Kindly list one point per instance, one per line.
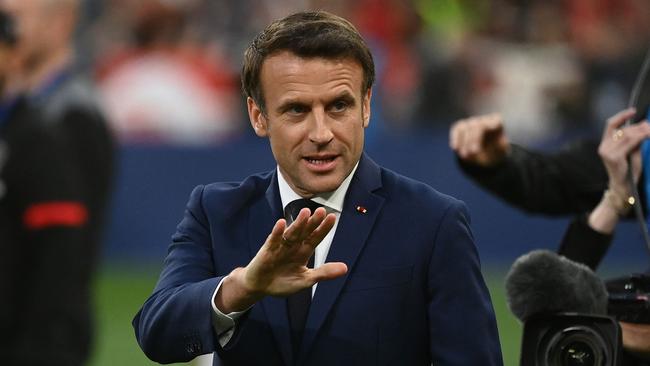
(287, 68)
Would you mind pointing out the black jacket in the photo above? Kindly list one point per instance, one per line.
(55, 175)
(570, 181)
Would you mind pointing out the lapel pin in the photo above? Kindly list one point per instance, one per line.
(361, 209)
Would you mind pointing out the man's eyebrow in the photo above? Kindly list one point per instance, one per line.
(345, 96)
(285, 105)
(296, 102)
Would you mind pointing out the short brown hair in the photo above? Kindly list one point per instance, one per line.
(306, 34)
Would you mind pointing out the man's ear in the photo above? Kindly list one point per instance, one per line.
(257, 118)
(365, 111)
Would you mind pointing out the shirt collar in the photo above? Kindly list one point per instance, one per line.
(332, 200)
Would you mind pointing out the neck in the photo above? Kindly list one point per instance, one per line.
(42, 73)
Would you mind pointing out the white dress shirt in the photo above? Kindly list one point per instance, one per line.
(224, 324)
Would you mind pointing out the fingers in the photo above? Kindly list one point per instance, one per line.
(618, 120)
(622, 141)
(305, 233)
(619, 142)
(319, 233)
(633, 135)
(294, 233)
(274, 239)
(304, 225)
(468, 137)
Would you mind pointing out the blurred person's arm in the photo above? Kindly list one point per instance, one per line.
(568, 181)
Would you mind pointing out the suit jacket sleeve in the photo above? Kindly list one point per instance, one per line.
(462, 325)
(571, 180)
(175, 324)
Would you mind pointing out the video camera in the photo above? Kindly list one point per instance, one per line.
(583, 339)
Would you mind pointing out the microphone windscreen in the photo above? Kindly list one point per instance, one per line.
(543, 281)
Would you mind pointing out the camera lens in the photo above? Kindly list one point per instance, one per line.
(576, 346)
(578, 353)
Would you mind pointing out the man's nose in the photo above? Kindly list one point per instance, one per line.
(320, 131)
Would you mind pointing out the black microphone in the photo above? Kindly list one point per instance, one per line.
(545, 282)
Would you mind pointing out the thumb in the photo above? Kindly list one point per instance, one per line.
(329, 271)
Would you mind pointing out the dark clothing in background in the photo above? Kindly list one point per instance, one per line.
(570, 181)
(577, 234)
(56, 162)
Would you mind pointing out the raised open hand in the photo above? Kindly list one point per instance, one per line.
(280, 266)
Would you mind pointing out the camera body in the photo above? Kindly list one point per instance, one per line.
(571, 339)
(629, 298)
(576, 339)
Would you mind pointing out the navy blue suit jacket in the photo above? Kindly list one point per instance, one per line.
(413, 294)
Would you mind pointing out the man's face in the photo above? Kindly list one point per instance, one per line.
(315, 119)
(34, 28)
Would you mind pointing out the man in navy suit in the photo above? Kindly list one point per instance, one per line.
(395, 278)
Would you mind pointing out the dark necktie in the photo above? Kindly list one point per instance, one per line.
(298, 303)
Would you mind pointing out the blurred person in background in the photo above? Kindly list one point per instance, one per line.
(55, 173)
(163, 84)
(589, 235)
(588, 179)
(568, 181)
(549, 67)
(610, 38)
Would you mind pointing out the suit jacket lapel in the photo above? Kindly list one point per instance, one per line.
(263, 215)
(349, 240)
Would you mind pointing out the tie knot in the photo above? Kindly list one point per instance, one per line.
(293, 208)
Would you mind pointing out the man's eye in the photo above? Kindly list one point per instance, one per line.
(339, 106)
(296, 109)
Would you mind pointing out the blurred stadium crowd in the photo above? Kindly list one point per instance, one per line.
(167, 72)
(168, 69)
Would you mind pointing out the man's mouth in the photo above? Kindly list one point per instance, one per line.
(320, 161)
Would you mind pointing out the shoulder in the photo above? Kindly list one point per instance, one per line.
(418, 195)
(76, 93)
(405, 197)
(26, 129)
(228, 198)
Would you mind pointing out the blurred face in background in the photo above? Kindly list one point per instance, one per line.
(7, 45)
(43, 26)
